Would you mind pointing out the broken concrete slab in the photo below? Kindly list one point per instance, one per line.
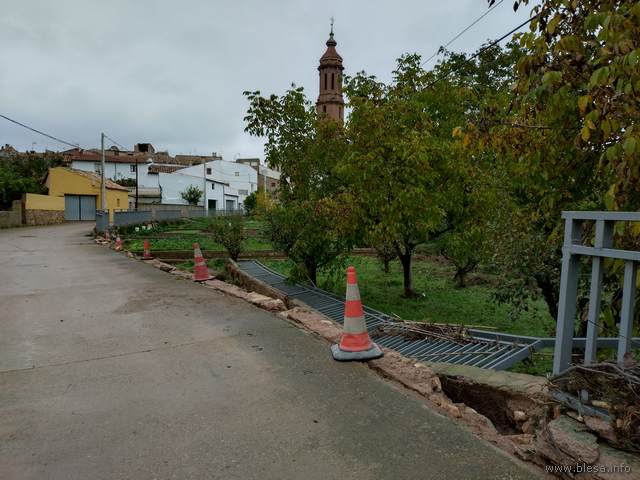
(227, 288)
(565, 442)
(499, 379)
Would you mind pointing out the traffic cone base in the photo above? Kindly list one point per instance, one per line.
(355, 343)
(346, 356)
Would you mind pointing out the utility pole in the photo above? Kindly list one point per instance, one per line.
(204, 190)
(103, 187)
(136, 184)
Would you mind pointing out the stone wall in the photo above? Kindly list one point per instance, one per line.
(255, 285)
(13, 217)
(43, 217)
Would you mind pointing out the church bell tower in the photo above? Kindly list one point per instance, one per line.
(330, 103)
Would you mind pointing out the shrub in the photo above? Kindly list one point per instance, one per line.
(191, 195)
(229, 232)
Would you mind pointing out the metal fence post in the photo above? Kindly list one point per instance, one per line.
(604, 239)
(567, 297)
(626, 315)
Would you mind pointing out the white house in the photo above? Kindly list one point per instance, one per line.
(217, 195)
(238, 176)
(116, 168)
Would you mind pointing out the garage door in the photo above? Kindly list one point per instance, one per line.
(80, 207)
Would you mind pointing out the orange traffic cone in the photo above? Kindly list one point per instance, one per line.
(200, 270)
(147, 251)
(118, 245)
(355, 343)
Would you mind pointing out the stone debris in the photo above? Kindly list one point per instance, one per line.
(520, 416)
(179, 273)
(601, 427)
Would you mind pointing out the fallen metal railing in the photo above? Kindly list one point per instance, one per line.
(493, 350)
(487, 350)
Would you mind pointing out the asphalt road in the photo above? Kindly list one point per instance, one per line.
(111, 369)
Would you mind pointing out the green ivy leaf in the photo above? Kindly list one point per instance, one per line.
(630, 145)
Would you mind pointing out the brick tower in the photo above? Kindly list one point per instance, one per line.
(330, 102)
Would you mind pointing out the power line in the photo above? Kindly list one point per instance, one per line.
(485, 48)
(40, 132)
(116, 143)
(462, 32)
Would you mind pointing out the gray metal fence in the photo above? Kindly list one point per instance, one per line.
(169, 215)
(138, 217)
(121, 219)
(102, 220)
(602, 248)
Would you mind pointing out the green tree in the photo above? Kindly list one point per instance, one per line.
(229, 232)
(568, 139)
(191, 195)
(581, 77)
(311, 222)
(250, 203)
(404, 167)
(477, 90)
(23, 173)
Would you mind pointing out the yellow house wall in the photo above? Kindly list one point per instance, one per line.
(61, 181)
(34, 201)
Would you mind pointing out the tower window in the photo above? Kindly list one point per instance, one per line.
(325, 81)
(324, 108)
(332, 82)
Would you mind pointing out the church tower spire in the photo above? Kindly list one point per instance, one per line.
(330, 101)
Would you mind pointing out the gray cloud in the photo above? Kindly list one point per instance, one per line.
(172, 73)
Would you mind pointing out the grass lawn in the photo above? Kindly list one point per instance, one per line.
(186, 243)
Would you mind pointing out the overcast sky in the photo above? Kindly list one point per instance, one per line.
(172, 73)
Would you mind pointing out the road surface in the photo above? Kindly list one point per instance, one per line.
(111, 369)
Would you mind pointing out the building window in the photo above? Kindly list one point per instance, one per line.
(118, 202)
(213, 186)
(243, 192)
(237, 174)
(208, 171)
(273, 185)
(132, 168)
(324, 108)
(325, 81)
(332, 82)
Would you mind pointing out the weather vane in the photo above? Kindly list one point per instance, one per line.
(331, 25)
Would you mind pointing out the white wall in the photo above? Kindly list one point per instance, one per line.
(240, 177)
(115, 171)
(173, 184)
